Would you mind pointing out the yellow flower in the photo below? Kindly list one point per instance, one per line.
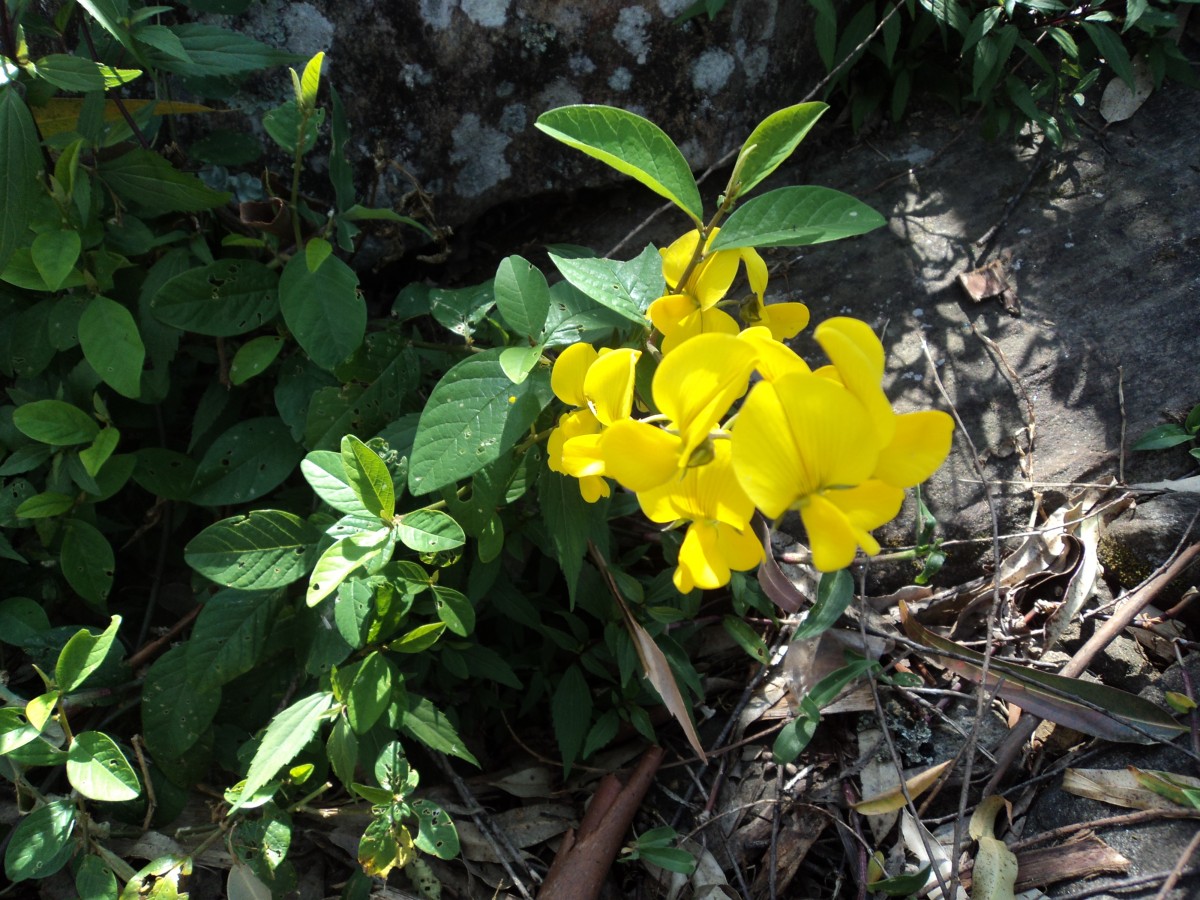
(719, 538)
(693, 389)
(600, 384)
(785, 320)
(775, 358)
(689, 307)
(808, 443)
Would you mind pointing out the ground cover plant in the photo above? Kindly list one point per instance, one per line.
(265, 551)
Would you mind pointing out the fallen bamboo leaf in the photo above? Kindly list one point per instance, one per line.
(1179, 789)
(929, 851)
(60, 114)
(1118, 787)
(1090, 708)
(1183, 485)
(1086, 528)
(994, 875)
(893, 798)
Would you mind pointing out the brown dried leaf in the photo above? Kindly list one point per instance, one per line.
(893, 798)
(1116, 786)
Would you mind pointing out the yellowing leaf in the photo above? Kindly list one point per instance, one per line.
(61, 114)
(995, 872)
(893, 799)
(1116, 786)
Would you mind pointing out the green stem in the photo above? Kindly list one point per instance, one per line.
(297, 159)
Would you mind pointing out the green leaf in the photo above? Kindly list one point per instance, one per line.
(15, 731)
(570, 521)
(176, 709)
(455, 609)
(249, 460)
(571, 711)
(254, 357)
(227, 297)
(673, 859)
(230, 635)
(631, 145)
(746, 638)
(214, 51)
(55, 423)
(283, 125)
(436, 833)
(518, 362)
(1109, 45)
(1161, 437)
(22, 621)
(429, 531)
(429, 725)
(369, 478)
(165, 473)
(834, 593)
(45, 505)
(95, 880)
(794, 737)
(772, 141)
(98, 769)
(325, 473)
(316, 251)
(627, 288)
(149, 183)
(795, 217)
(370, 691)
(20, 166)
(263, 550)
(70, 73)
(341, 559)
(163, 38)
(990, 58)
(54, 254)
(41, 844)
(323, 309)
(420, 638)
(522, 296)
(112, 345)
(310, 81)
(82, 655)
(288, 734)
(87, 561)
(101, 450)
(473, 415)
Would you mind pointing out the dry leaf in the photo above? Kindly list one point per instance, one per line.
(992, 280)
(893, 798)
(1086, 528)
(1116, 786)
(61, 114)
(1119, 101)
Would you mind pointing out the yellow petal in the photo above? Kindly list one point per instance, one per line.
(608, 385)
(698, 381)
(711, 279)
(921, 444)
(799, 435)
(740, 548)
(566, 378)
(570, 424)
(700, 559)
(756, 271)
(581, 456)
(831, 537)
(868, 505)
(638, 455)
(786, 320)
(592, 488)
(775, 359)
(700, 321)
(711, 492)
(677, 256)
(858, 356)
(667, 312)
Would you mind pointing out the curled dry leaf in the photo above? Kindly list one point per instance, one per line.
(893, 798)
(994, 876)
(1116, 786)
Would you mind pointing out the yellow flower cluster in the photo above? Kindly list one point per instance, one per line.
(826, 443)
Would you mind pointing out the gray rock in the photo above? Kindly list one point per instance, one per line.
(449, 89)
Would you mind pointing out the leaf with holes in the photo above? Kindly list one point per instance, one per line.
(176, 709)
(323, 309)
(230, 635)
(341, 559)
(87, 561)
(429, 531)
(436, 834)
(627, 288)
(40, 843)
(98, 769)
(227, 297)
(249, 460)
(266, 549)
(455, 609)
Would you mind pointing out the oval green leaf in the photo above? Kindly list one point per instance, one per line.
(429, 531)
(87, 561)
(795, 217)
(98, 769)
(773, 140)
(455, 609)
(266, 549)
(54, 254)
(246, 462)
(112, 345)
(369, 478)
(227, 297)
(253, 357)
(326, 475)
(323, 309)
(522, 296)
(630, 144)
(176, 710)
(55, 422)
(41, 844)
(82, 655)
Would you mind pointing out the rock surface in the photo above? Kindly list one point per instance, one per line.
(448, 90)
